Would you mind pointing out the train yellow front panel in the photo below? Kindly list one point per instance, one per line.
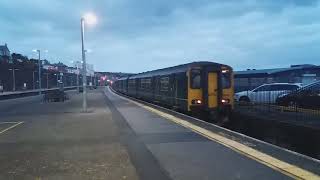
(212, 90)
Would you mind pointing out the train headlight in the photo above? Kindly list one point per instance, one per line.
(225, 71)
(225, 101)
(196, 101)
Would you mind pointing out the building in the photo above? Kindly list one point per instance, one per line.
(89, 67)
(251, 78)
(5, 52)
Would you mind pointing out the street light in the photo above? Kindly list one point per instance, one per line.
(33, 84)
(47, 80)
(39, 70)
(13, 78)
(90, 19)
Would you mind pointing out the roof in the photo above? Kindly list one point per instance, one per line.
(298, 84)
(175, 69)
(275, 70)
(4, 48)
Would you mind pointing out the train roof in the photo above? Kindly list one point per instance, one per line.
(175, 69)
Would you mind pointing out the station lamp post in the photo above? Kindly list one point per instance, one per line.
(89, 19)
(33, 81)
(39, 68)
(13, 78)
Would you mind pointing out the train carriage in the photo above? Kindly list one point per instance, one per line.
(194, 87)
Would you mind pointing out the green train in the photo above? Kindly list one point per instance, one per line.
(195, 87)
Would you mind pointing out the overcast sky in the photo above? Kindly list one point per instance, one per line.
(141, 35)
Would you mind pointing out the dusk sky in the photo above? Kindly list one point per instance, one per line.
(135, 36)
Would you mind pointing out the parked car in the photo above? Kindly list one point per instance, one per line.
(266, 93)
(305, 97)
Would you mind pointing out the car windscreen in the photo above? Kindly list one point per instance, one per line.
(310, 86)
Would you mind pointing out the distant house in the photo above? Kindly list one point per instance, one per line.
(5, 53)
(4, 50)
(251, 78)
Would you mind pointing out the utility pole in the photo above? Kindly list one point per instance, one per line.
(84, 69)
(89, 19)
(33, 84)
(13, 78)
(47, 80)
(77, 76)
(39, 63)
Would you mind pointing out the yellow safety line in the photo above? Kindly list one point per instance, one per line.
(274, 163)
(13, 126)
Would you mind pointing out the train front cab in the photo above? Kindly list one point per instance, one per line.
(210, 89)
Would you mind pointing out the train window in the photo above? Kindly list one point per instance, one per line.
(146, 83)
(195, 79)
(132, 83)
(226, 79)
(164, 84)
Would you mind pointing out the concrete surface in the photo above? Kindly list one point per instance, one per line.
(181, 153)
(57, 141)
(116, 140)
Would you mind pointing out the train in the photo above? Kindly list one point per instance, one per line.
(195, 88)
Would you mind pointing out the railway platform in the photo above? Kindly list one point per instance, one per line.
(182, 147)
(121, 138)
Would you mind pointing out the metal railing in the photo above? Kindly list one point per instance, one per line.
(301, 106)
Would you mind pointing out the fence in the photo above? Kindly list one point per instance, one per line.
(301, 105)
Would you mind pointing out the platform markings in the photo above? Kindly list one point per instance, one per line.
(274, 163)
(11, 127)
(9, 122)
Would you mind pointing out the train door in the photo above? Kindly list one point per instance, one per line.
(175, 88)
(212, 91)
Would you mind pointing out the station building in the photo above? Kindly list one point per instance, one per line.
(251, 78)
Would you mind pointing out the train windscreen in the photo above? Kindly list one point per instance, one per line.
(226, 79)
